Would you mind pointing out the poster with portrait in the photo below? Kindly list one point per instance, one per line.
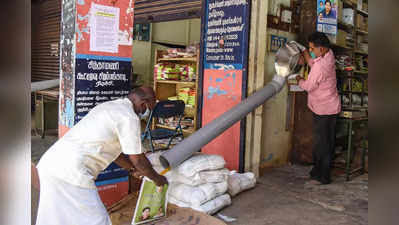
(327, 13)
(152, 202)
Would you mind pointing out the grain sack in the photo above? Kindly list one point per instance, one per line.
(200, 162)
(209, 207)
(196, 196)
(214, 205)
(238, 182)
(153, 157)
(202, 177)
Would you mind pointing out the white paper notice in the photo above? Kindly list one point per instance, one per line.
(104, 28)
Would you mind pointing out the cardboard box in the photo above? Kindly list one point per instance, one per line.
(341, 38)
(113, 190)
(111, 172)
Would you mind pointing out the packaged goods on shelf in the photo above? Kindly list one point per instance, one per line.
(343, 62)
(348, 16)
(165, 141)
(186, 123)
(183, 94)
(191, 97)
(350, 40)
(356, 99)
(345, 100)
(357, 85)
(364, 47)
(187, 72)
(340, 9)
(167, 71)
(174, 71)
(190, 51)
(361, 62)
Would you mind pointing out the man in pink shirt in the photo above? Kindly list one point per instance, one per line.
(324, 102)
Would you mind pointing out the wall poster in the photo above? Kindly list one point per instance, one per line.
(327, 12)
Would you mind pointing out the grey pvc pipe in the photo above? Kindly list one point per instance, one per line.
(42, 85)
(203, 136)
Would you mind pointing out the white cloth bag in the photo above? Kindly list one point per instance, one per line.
(209, 207)
(239, 182)
(196, 196)
(200, 162)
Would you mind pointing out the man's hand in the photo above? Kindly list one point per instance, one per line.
(160, 180)
(143, 167)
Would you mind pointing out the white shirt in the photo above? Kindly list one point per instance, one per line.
(92, 144)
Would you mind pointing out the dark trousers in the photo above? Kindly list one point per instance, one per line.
(324, 147)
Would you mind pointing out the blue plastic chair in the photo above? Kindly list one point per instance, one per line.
(164, 109)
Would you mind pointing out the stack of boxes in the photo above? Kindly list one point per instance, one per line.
(112, 184)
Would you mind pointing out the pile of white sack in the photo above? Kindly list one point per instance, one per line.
(202, 183)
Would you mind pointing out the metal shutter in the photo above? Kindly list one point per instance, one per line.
(46, 39)
(148, 11)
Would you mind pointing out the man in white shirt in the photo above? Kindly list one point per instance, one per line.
(67, 171)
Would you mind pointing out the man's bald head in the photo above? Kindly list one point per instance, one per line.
(143, 93)
(142, 97)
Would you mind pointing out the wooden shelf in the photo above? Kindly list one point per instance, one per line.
(355, 108)
(191, 59)
(345, 25)
(362, 12)
(344, 47)
(352, 92)
(362, 32)
(360, 52)
(187, 131)
(175, 82)
(170, 88)
(363, 72)
(349, 3)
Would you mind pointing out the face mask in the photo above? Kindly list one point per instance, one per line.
(145, 114)
(312, 55)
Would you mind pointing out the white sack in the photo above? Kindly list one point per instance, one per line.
(153, 157)
(209, 207)
(200, 162)
(196, 196)
(202, 177)
(239, 182)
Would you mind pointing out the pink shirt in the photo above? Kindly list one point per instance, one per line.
(321, 85)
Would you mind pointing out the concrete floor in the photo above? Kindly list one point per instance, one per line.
(281, 197)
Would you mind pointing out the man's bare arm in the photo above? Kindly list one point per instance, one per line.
(124, 162)
(144, 167)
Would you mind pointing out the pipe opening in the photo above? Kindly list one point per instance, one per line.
(164, 162)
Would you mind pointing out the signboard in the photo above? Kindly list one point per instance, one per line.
(99, 79)
(96, 48)
(327, 12)
(225, 57)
